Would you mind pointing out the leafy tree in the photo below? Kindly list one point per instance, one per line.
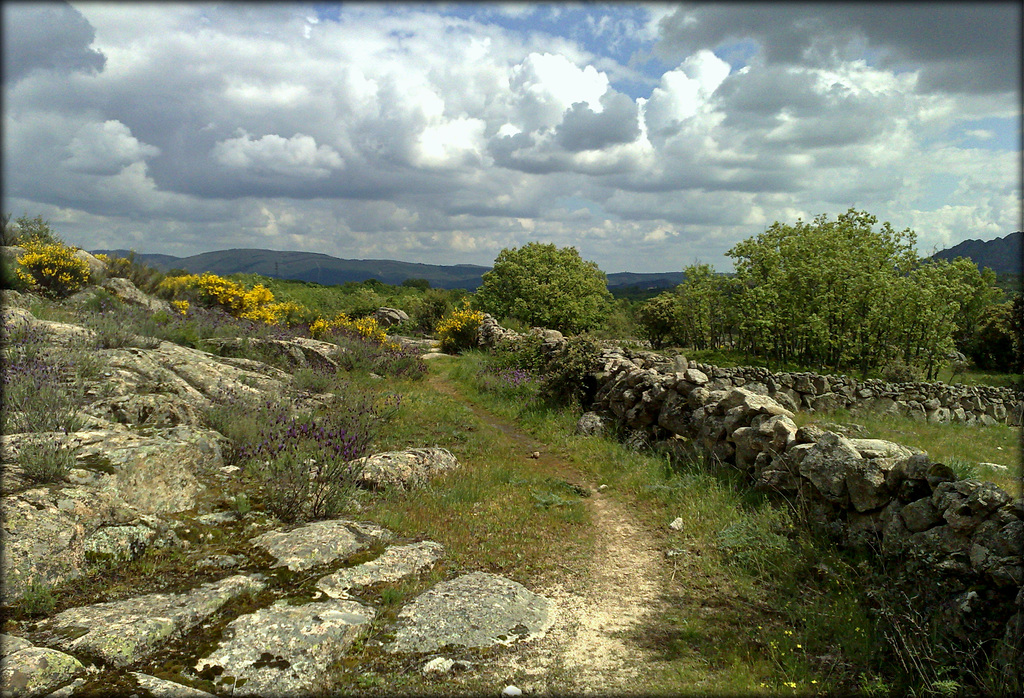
(544, 285)
(421, 284)
(995, 344)
(659, 319)
(813, 292)
(704, 313)
(25, 230)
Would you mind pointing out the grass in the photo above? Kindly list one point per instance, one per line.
(756, 603)
(744, 564)
(965, 448)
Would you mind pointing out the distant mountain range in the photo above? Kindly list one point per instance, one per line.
(327, 270)
(1002, 255)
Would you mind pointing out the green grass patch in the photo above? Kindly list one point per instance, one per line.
(971, 450)
(760, 605)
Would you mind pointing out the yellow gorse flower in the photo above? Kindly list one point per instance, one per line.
(458, 329)
(53, 268)
(366, 328)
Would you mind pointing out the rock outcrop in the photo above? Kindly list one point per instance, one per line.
(269, 607)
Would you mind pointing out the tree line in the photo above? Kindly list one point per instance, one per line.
(841, 294)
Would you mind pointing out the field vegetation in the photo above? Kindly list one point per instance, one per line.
(760, 603)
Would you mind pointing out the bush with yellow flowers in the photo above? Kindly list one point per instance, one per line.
(52, 268)
(366, 328)
(458, 329)
(256, 303)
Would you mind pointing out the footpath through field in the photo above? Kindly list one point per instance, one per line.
(595, 645)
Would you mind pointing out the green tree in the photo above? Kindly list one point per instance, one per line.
(25, 230)
(658, 319)
(543, 285)
(993, 345)
(703, 313)
(815, 292)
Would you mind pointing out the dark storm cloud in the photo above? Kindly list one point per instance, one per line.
(584, 129)
(46, 36)
(960, 48)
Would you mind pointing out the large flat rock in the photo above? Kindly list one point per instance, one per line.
(403, 469)
(320, 542)
(474, 610)
(122, 632)
(35, 671)
(285, 650)
(394, 564)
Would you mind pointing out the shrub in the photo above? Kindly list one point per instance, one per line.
(546, 286)
(42, 389)
(53, 268)
(301, 459)
(567, 377)
(366, 328)
(256, 303)
(898, 371)
(46, 461)
(38, 599)
(140, 274)
(523, 352)
(356, 353)
(458, 330)
(432, 307)
(658, 319)
(27, 230)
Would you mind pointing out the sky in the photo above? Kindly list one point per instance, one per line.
(647, 136)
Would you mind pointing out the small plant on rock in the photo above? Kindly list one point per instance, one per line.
(45, 461)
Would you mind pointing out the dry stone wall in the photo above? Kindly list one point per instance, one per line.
(932, 402)
(956, 546)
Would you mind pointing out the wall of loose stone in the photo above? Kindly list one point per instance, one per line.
(957, 546)
(932, 402)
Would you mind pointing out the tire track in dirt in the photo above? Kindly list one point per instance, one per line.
(591, 646)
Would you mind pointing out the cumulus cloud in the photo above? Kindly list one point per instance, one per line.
(545, 85)
(582, 128)
(645, 135)
(105, 149)
(956, 47)
(298, 156)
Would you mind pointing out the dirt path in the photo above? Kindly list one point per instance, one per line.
(591, 647)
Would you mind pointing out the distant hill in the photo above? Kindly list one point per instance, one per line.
(316, 267)
(1002, 255)
(327, 270)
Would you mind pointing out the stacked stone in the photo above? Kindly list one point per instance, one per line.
(932, 402)
(962, 539)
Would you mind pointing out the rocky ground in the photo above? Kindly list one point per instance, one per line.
(270, 608)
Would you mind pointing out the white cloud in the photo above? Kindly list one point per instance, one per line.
(545, 85)
(105, 149)
(685, 91)
(452, 143)
(298, 156)
(378, 130)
